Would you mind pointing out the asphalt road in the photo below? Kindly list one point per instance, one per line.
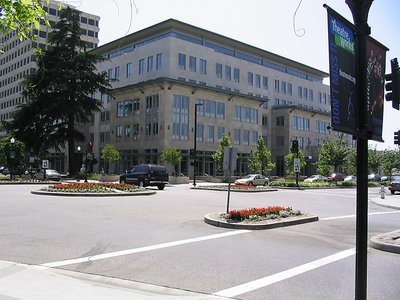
(163, 240)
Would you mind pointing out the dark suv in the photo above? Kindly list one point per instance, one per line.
(146, 175)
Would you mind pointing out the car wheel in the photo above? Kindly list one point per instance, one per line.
(161, 186)
(251, 183)
(122, 180)
(141, 183)
(392, 192)
(266, 183)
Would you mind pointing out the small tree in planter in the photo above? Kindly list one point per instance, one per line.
(110, 154)
(172, 156)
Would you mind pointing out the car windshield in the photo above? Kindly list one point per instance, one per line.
(248, 176)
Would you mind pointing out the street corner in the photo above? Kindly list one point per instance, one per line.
(389, 242)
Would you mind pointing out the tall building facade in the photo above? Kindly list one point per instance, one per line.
(168, 72)
(17, 60)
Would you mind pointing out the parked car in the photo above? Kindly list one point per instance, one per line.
(146, 175)
(374, 177)
(388, 177)
(335, 177)
(253, 179)
(350, 178)
(51, 174)
(394, 186)
(315, 178)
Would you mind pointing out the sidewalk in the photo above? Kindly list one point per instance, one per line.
(21, 281)
(390, 241)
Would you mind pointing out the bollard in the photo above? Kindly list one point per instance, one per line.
(382, 192)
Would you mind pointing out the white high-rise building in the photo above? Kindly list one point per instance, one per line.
(17, 60)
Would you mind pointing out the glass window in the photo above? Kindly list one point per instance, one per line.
(203, 66)
(220, 110)
(265, 83)
(218, 70)
(159, 62)
(283, 87)
(192, 63)
(200, 132)
(236, 75)
(246, 137)
(236, 136)
(141, 66)
(210, 134)
(289, 89)
(116, 72)
(280, 141)
(300, 92)
(129, 69)
(180, 116)
(254, 138)
(280, 121)
(250, 78)
(149, 63)
(228, 73)
(258, 80)
(276, 85)
(182, 61)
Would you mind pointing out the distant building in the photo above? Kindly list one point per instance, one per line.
(244, 92)
(17, 60)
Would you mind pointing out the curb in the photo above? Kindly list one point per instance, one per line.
(212, 220)
(382, 242)
(143, 193)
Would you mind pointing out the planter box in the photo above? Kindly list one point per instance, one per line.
(178, 179)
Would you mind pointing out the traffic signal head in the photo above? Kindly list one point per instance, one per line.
(396, 137)
(295, 146)
(392, 85)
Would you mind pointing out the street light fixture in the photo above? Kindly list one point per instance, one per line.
(194, 143)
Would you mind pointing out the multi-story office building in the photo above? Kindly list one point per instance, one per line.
(17, 60)
(167, 70)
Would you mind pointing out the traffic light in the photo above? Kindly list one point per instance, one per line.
(191, 154)
(392, 85)
(396, 137)
(295, 146)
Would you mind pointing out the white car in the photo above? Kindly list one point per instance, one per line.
(315, 178)
(253, 179)
(350, 178)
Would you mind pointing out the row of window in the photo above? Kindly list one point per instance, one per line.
(144, 64)
(126, 108)
(230, 73)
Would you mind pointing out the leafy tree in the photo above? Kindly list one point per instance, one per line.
(110, 154)
(260, 159)
(12, 154)
(390, 162)
(332, 155)
(218, 156)
(374, 160)
(289, 161)
(171, 155)
(350, 162)
(60, 92)
(22, 17)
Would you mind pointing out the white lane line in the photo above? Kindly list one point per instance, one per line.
(353, 216)
(141, 249)
(263, 282)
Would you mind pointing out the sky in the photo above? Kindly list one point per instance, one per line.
(295, 29)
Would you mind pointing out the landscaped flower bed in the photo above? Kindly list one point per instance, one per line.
(259, 214)
(92, 187)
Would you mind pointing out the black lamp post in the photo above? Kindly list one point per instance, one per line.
(12, 158)
(194, 143)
